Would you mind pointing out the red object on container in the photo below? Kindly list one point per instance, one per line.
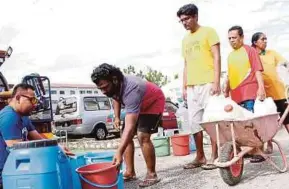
(181, 144)
(98, 176)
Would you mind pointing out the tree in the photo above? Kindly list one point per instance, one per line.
(176, 76)
(156, 77)
(129, 70)
(149, 74)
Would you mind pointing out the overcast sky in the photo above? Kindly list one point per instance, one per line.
(66, 39)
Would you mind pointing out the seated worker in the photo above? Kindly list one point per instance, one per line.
(144, 104)
(15, 125)
(245, 82)
(274, 87)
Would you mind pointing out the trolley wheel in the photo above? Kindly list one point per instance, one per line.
(232, 174)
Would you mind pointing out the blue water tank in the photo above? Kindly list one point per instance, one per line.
(96, 157)
(75, 162)
(37, 164)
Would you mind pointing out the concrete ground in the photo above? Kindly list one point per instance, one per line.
(170, 170)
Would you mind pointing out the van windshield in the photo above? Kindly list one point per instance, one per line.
(96, 103)
(66, 105)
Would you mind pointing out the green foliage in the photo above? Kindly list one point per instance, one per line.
(176, 76)
(149, 74)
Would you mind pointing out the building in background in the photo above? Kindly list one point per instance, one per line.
(62, 90)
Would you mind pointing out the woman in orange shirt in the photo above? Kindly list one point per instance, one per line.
(274, 87)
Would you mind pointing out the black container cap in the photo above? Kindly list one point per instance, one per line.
(35, 144)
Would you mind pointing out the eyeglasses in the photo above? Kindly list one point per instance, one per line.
(33, 100)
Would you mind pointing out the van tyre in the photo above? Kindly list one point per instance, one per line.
(100, 132)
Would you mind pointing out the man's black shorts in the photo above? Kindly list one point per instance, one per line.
(281, 107)
(148, 123)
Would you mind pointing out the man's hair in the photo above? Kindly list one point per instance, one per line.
(238, 28)
(256, 37)
(21, 87)
(188, 9)
(106, 72)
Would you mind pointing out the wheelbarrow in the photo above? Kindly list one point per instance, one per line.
(235, 138)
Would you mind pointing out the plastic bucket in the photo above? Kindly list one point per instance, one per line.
(99, 157)
(181, 144)
(162, 146)
(98, 176)
(192, 143)
(76, 162)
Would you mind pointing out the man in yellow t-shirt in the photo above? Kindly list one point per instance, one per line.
(201, 52)
(273, 85)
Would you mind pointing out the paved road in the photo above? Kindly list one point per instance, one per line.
(173, 176)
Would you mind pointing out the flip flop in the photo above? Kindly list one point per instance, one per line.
(247, 156)
(148, 182)
(209, 166)
(129, 178)
(193, 165)
(257, 159)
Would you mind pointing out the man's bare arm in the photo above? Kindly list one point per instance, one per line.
(226, 88)
(259, 78)
(34, 135)
(185, 75)
(128, 132)
(217, 62)
(216, 89)
(261, 89)
(185, 81)
(116, 108)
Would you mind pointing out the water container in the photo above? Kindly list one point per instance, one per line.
(181, 144)
(75, 162)
(99, 157)
(99, 176)
(162, 146)
(37, 164)
(192, 143)
(96, 157)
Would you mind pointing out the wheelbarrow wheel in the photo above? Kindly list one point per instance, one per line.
(232, 174)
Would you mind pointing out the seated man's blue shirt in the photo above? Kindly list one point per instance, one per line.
(12, 127)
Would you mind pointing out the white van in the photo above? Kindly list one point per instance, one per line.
(84, 115)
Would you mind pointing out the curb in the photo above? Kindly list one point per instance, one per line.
(91, 144)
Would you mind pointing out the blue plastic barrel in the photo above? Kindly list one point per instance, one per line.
(99, 157)
(95, 157)
(37, 165)
(192, 143)
(75, 162)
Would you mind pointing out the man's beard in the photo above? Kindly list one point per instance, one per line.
(114, 91)
(110, 94)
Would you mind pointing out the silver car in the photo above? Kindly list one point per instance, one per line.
(84, 115)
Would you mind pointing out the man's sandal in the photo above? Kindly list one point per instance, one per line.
(129, 178)
(193, 165)
(149, 182)
(209, 166)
